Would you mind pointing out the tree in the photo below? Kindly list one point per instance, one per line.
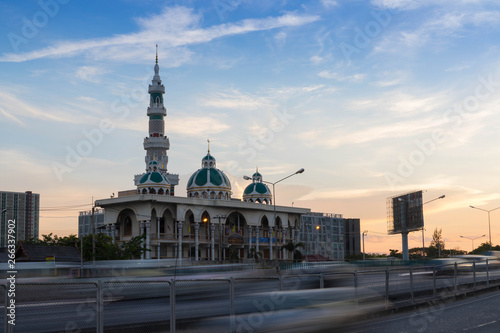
(437, 246)
(394, 253)
(415, 253)
(133, 249)
(294, 248)
(485, 247)
(104, 248)
(253, 254)
(50, 240)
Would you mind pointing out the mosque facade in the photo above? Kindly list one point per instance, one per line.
(208, 224)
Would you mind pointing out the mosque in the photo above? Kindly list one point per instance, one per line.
(208, 224)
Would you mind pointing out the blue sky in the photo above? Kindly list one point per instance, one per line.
(372, 98)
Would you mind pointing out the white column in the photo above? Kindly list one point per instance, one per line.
(284, 243)
(113, 232)
(148, 239)
(271, 243)
(196, 228)
(212, 244)
(220, 242)
(257, 235)
(179, 247)
(249, 239)
(141, 231)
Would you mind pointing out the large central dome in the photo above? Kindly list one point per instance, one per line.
(209, 182)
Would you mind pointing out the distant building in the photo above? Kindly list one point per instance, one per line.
(323, 235)
(30, 252)
(24, 209)
(352, 236)
(85, 222)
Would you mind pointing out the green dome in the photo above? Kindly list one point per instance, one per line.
(208, 157)
(153, 177)
(256, 188)
(208, 177)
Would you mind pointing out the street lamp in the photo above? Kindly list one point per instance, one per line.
(364, 233)
(423, 229)
(301, 170)
(472, 239)
(489, 224)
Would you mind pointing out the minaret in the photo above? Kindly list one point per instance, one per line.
(157, 144)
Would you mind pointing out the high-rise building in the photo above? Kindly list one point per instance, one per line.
(24, 209)
(323, 235)
(352, 236)
(85, 222)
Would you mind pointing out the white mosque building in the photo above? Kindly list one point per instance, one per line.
(207, 223)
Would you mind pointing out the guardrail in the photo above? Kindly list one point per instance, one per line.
(151, 305)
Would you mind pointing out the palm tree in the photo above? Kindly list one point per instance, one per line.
(294, 248)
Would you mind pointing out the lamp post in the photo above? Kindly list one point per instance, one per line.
(219, 217)
(423, 229)
(489, 224)
(301, 170)
(472, 239)
(364, 233)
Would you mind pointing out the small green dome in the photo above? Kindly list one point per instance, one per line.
(153, 177)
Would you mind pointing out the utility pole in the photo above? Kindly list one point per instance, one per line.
(364, 233)
(93, 233)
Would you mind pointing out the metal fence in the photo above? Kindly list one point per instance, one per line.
(180, 305)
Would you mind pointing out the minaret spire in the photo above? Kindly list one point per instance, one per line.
(156, 143)
(208, 140)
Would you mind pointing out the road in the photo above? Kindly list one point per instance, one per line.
(475, 314)
(53, 306)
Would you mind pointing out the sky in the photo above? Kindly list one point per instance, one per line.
(372, 98)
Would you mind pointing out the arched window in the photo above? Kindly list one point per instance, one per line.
(127, 226)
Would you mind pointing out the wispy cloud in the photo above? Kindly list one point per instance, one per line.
(90, 73)
(175, 27)
(234, 99)
(341, 77)
(10, 116)
(329, 3)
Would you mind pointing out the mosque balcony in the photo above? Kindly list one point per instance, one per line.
(160, 88)
(157, 109)
(157, 142)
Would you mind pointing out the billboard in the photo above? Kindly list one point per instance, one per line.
(405, 213)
